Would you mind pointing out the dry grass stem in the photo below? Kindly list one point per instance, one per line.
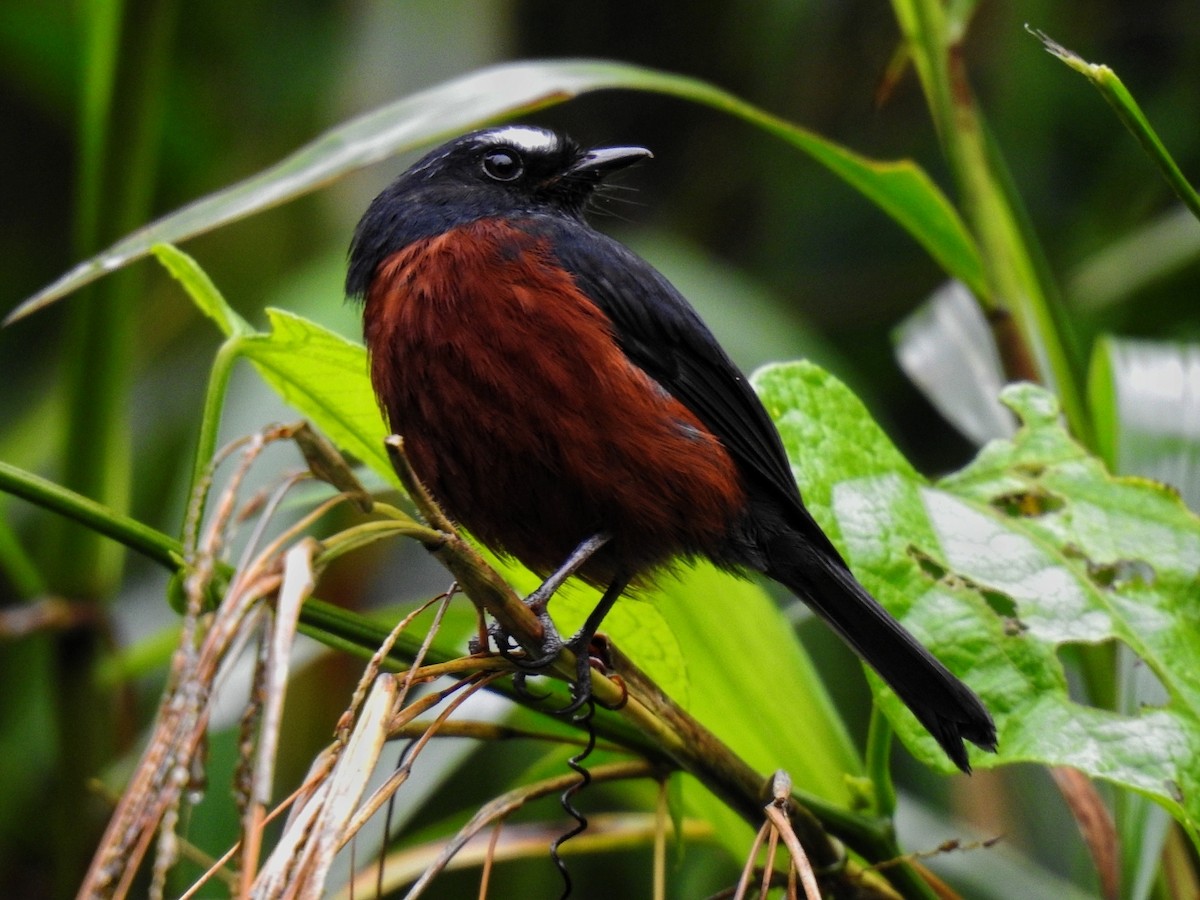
(299, 864)
(506, 804)
(606, 832)
(385, 791)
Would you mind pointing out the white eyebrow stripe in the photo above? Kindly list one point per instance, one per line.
(522, 137)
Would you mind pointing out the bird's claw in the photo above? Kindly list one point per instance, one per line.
(519, 656)
(581, 687)
(552, 646)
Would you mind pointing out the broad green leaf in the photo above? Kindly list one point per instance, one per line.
(901, 189)
(1031, 547)
(752, 684)
(324, 376)
(750, 681)
(1122, 560)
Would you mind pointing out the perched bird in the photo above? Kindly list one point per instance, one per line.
(562, 401)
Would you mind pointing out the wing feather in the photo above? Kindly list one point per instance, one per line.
(662, 334)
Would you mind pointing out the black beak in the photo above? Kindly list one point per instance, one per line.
(599, 163)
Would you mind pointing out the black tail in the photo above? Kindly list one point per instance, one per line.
(947, 708)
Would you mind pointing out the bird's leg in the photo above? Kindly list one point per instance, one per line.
(538, 602)
(539, 599)
(581, 643)
(552, 642)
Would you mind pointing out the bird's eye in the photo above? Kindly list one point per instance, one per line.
(502, 165)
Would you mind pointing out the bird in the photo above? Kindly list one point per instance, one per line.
(562, 401)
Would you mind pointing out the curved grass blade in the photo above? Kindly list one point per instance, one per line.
(902, 189)
(1113, 90)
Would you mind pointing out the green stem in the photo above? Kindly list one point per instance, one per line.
(214, 402)
(101, 40)
(1041, 344)
(93, 515)
(126, 54)
(17, 564)
(351, 539)
(879, 762)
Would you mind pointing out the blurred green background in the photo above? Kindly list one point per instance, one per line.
(782, 258)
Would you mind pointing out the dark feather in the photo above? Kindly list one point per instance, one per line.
(663, 335)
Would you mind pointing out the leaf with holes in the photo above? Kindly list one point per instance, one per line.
(1031, 547)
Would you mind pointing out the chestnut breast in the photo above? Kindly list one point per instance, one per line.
(523, 417)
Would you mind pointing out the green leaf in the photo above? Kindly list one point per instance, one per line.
(324, 376)
(195, 281)
(1031, 547)
(751, 683)
(901, 189)
(1113, 90)
(1119, 562)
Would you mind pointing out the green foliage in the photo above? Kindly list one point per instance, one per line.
(1030, 547)
(1045, 581)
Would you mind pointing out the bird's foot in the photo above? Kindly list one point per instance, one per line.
(528, 662)
(590, 651)
(520, 656)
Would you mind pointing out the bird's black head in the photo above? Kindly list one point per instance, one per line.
(511, 170)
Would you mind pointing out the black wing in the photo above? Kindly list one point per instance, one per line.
(663, 335)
